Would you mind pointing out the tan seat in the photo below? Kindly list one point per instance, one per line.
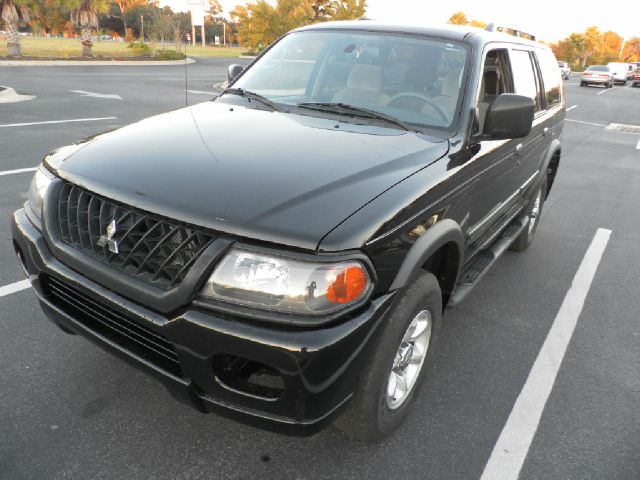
(364, 87)
(448, 98)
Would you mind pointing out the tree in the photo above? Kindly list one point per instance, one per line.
(631, 50)
(259, 23)
(214, 8)
(477, 23)
(84, 15)
(49, 16)
(321, 10)
(458, 18)
(347, 9)
(13, 12)
(125, 5)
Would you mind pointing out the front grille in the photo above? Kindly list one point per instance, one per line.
(147, 246)
(109, 323)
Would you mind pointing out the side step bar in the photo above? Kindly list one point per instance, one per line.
(485, 259)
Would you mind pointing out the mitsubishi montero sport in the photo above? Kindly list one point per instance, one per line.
(283, 254)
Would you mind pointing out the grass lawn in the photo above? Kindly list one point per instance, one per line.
(46, 48)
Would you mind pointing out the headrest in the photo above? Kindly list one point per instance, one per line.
(491, 82)
(451, 85)
(365, 77)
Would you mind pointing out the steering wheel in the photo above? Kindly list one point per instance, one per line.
(425, 99)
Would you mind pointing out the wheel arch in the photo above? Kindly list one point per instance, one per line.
(438, 251)
(551, 164)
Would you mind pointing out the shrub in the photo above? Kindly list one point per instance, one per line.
(139, 49)
(170, 55)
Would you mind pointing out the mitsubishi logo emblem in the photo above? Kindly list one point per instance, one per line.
(107, 240)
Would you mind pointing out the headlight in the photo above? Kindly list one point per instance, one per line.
(41, 181)
(286, 285)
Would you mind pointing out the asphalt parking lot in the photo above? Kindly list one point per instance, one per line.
(69, 410)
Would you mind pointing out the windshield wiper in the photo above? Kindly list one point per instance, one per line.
(345, 109)
(251, 96)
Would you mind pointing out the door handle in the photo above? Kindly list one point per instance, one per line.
(517, 154)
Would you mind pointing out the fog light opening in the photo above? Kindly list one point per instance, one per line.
(248, 376)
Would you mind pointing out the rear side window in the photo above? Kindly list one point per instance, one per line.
(550, 77)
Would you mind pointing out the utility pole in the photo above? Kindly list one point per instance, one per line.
(142, 27)
(224, 33)
(202, 33)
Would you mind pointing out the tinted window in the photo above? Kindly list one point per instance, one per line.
(598, 68)
(524, 77)
(415, 79)
(550, 77)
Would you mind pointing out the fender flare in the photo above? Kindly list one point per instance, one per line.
(443, 232)
(553, 148)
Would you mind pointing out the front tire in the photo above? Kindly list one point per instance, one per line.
(533, 211)
(398, 362)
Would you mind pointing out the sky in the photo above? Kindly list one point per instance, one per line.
(548, 20)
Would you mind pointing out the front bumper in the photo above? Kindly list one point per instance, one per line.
(316, 369)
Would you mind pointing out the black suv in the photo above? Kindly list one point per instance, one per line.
(284, 252)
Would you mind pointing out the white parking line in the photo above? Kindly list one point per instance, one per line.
(58, 121)
(84, 93)
(604, 91)
(513, 444)
(638, 145)
(586, 123)
(14, 287)
(19, 170)
(571, 108)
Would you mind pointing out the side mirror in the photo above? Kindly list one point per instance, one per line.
(233, 71)
(509, 116)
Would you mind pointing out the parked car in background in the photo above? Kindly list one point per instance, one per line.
(597, 75)
(565, 70)
(622, 72)
(636, 79)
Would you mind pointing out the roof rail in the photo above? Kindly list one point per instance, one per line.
(492, 27)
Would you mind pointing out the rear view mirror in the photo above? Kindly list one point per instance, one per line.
(233, 71)
(509, 116)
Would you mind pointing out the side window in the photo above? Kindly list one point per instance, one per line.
(550, 77)
(524, 76)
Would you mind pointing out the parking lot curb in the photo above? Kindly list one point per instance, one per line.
(91, 63)
(9, 95)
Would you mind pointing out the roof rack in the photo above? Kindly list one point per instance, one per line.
(492, 27)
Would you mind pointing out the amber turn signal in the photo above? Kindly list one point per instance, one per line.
(348, 285)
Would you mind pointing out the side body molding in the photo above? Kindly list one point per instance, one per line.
(443, 232)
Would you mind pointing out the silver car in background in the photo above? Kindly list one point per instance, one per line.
(597, 74)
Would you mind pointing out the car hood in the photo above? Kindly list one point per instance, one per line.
(277, 177)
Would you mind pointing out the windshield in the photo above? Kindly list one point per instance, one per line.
(413, 79)
(598, 68)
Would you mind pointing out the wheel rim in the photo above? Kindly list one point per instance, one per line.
(409, 359)
(535, 211)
